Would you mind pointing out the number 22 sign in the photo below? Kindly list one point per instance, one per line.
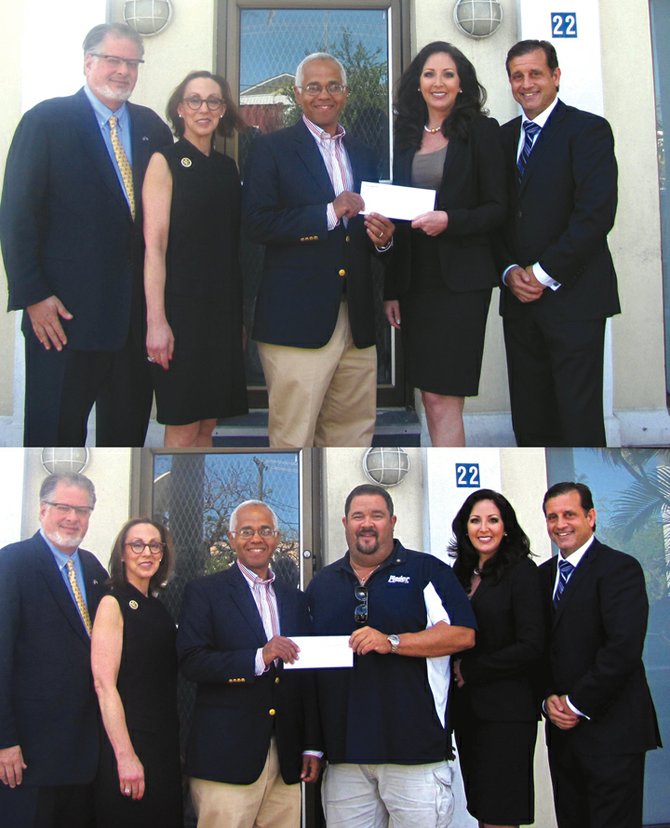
(564, 24)
(467, 476)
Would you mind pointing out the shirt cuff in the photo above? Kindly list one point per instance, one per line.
(317, 753)
(385, 247)
(331, 217)
(542, 276)
(576, 710)
(260, 666)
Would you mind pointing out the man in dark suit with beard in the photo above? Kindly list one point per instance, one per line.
(600, 716)
(559, 280)
(49, 591)
(71, 232)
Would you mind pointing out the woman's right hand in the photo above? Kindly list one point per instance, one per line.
(131, 776)
(392, 312)
(160, 343)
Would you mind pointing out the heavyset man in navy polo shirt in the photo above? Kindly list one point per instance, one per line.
(385, 723)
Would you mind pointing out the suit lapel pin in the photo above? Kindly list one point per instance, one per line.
(186, 162)
(133, 604)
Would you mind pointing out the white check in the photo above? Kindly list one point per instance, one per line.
(322, 651)
(396, 202)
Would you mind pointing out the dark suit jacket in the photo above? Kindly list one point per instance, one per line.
(560, 215)
(501, 670)
(219, 632)
(47, 701)
(596, 636)
(285, 194)
(65, 225)
(473, 193)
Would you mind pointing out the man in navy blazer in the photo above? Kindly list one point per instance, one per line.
(72, 244)
(48, 707)
(600, 715)
(315, 310)
(559, 280)
(254, 734)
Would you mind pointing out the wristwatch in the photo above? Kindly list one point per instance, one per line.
(394, 641)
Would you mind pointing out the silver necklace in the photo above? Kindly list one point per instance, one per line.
(363, 578)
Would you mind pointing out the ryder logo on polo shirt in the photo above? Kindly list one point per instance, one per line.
(398, 579)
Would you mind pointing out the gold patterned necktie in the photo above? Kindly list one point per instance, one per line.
(78, 597)
(122, 160)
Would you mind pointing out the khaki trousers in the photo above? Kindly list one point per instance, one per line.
(321, 396)
(267, 803)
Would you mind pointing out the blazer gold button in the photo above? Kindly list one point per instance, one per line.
(342, 272)
(347, 239)
(277, 680)
(272, 711)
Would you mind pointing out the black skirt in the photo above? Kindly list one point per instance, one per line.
(206, 378)
(496, 760)
(442, 329)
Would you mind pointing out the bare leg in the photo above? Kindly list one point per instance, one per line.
(445, 419)
(204, 439)
(491, 825)
(192, 435)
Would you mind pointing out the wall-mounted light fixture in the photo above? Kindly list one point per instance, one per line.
(64, 460)
(148, 17)
(386, 466)
(478, 18)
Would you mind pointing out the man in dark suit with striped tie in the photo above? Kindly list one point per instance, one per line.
(71, 232)
(559, 284)
(49, 591)
(600, 715)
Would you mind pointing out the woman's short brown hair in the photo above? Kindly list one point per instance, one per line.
(117, 571)
(231, 119)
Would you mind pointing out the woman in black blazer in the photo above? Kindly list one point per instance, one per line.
(496, 702)
(442, 271)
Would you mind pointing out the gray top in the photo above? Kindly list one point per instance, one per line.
(427, 169)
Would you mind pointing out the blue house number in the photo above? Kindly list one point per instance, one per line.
(564, 24)
(467, 476)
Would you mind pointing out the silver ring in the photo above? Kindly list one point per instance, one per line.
(150, 359)
(381, 236)
(126, 790)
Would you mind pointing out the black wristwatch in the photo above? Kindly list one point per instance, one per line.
(394, 641)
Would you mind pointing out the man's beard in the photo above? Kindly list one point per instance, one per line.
(114, 94)
(368, 550)
(68, 541)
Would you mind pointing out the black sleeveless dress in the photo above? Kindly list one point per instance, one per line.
(147, 684)
(203, 291)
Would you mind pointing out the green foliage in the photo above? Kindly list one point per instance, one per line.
(638, 518)
(367, 80)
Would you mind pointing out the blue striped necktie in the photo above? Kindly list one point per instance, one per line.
(531, 130)
(565, 571)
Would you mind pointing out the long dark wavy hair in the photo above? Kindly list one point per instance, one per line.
(231, 120)
(117, 571)
(411, 112)
(513, 546)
